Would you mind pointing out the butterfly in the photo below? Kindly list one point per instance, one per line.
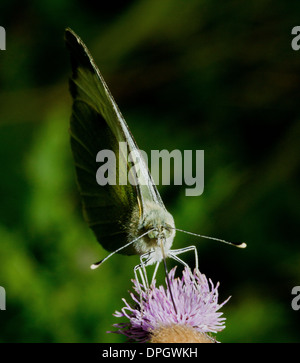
(126, 218)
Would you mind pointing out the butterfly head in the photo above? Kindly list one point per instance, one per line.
(158, 221)
(160, 226)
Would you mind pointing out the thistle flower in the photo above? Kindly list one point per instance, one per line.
(153, 317)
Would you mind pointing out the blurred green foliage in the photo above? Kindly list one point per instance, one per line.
(219, 77)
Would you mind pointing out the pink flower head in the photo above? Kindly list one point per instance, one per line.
(195, 298)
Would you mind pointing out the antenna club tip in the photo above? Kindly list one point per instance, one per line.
(94, 266)
(242, 245)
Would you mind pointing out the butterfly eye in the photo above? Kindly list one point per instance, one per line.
(153, 234)
(168, 230)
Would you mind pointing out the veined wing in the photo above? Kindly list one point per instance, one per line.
(97, 124)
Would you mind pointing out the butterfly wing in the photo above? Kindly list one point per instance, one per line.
(97, 124)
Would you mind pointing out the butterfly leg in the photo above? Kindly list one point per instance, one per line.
(141, 268)
(145, 258)
(155, 272)
(174, 254)
(138, 269)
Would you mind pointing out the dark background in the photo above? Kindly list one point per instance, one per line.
(186, 75)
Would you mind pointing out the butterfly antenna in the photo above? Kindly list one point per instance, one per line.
(167, 275)
(97, 264)
(239, 245)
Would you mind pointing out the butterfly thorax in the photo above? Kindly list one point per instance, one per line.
(159, 224)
